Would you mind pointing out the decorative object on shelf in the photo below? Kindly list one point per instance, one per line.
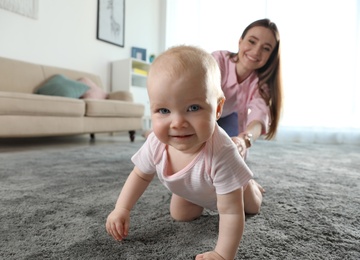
(27, 8)
(138, 53)
(152, 58)
(111, 21)
(140, 71)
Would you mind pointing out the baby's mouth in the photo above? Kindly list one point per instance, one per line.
(181, 136)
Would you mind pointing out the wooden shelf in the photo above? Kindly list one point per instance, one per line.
(131, 75)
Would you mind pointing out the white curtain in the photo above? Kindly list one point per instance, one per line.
(320, 43)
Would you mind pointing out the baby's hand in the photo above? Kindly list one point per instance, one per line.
(209, 256)
(117, 223)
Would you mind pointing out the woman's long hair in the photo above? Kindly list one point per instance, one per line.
(269, 74)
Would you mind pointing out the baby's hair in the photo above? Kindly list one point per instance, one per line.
(183, 58)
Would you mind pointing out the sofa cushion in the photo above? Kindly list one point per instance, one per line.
(113, 108)
(95, 92)
(19, 76)
(121, 95)
(59, 85)
(12, 103)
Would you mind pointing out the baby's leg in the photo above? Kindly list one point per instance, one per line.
(183, 210)
(253, 197)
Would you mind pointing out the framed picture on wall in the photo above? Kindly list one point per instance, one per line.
(27, 8)
(111, 21)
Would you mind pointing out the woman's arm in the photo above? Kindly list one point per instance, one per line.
(246, 139)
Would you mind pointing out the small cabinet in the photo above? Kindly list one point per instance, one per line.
(130, 75)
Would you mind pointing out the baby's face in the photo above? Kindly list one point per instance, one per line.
(183, 110)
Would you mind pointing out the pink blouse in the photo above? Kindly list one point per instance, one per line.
(243, 98)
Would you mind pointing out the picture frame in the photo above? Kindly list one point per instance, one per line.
(138, 53)
(29, 8)
(111, 21)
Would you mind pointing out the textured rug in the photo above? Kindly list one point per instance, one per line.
(54, 203)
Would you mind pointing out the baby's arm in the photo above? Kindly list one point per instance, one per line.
(117, 224)
(231, 226)
(232, 222)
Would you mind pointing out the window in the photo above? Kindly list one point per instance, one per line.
(320, 43)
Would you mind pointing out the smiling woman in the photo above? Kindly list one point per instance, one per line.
(251, 81)
(320, 57)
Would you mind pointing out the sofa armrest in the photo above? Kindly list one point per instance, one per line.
(121, 95)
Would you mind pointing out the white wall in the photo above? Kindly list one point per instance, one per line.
(208, 24)
(64, 35)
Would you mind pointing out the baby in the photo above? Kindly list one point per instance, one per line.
(191, 155)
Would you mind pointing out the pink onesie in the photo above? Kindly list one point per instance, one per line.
(217, 169)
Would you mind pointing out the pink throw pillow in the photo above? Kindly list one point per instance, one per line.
(94, 92)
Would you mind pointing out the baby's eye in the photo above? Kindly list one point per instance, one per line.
(194, 108)
(164, 111)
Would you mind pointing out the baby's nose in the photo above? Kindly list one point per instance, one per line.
(178, 121)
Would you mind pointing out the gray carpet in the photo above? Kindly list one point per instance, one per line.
(54, 203)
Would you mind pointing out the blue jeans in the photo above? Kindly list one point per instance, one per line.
(230, 124)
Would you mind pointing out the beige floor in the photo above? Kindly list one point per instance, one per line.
(11, 145)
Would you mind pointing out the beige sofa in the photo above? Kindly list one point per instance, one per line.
(26, 114)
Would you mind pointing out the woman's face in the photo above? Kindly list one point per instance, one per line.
(256, 47)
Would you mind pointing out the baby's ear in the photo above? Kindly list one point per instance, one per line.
(219, 108)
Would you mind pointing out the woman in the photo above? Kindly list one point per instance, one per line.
(251, 82)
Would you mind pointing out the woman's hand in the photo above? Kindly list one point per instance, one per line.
(240, 144)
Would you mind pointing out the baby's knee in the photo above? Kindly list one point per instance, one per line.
(178, 219)
(181, 217)
(253, 198)
(253, 209)
(183, 210)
